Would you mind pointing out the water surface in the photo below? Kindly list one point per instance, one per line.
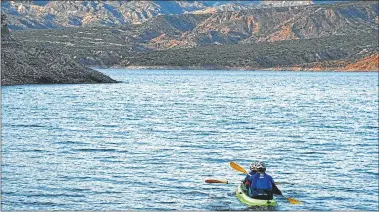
(148, 143)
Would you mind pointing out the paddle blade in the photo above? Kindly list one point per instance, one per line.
(216, 181)
(293, 201)
(282, 183)
(237, 167)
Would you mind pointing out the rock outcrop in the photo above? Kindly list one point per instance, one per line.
(5, 34)
(23, 64)
(369, 63)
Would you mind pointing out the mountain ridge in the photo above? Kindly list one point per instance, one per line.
(231, 27)
(56, 14)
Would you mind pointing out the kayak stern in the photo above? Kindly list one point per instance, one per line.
(245, 199)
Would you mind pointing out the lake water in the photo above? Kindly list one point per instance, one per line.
(150, 142)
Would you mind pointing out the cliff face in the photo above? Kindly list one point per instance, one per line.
(23, 64)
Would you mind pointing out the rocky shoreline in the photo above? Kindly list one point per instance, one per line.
(23, 64)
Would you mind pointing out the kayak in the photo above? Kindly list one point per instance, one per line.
(245, 199)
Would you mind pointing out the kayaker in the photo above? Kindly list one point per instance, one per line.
(262, 185)
(253, 171)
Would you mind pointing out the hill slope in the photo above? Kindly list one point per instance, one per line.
(266, 25)
(329, 53)
(369, 63)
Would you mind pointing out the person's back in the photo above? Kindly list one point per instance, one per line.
(262, 185)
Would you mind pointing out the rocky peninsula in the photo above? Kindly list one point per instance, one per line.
(23, 64)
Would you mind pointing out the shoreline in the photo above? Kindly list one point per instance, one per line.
(293, 68)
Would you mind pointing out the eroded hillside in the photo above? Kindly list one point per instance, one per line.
(269, 29)
(24, 64)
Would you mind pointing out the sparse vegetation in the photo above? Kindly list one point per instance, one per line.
(254, 38)
(264, 55)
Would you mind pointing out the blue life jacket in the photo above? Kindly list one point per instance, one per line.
(252, 173)
(261, 184)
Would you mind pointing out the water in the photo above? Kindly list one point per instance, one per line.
(148, 143)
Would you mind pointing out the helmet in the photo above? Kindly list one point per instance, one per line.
(253, 166)
(261, 167)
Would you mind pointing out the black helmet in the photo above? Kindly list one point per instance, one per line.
(261, 167)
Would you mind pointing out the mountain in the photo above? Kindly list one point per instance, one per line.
(55, 14)
(285, 3)
(266, 27)
(231, 27)
(233, 6)
(23, 64)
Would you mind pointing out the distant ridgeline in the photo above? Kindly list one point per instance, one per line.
(55, 14)
(23, 64)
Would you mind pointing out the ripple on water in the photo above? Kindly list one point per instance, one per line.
(157, 137)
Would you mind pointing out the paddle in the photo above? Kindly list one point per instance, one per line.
(216, 181)
(238, 168)
(292, 200)
(219, 181)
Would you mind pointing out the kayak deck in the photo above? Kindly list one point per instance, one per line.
(245, 199)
